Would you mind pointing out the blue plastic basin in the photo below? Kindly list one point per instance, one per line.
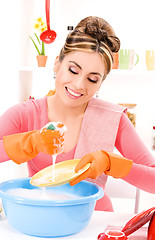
(50, 218)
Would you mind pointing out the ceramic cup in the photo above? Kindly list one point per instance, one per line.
(128, 58)
(116, 61)
(150, 59)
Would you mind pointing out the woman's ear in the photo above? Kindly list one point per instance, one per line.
(56, 64)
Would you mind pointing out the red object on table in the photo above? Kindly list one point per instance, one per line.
(151, 228)
(112, 235)
(133, 225)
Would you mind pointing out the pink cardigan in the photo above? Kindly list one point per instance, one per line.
(104, 126)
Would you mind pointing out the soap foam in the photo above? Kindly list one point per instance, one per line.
(41, 194)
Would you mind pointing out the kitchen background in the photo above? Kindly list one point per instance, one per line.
(133, 22)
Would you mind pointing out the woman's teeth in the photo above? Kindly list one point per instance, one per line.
(74, 93)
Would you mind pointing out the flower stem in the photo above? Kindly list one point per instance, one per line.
(37, 38)
(43, 49)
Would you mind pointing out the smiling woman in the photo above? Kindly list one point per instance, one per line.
(94, 127)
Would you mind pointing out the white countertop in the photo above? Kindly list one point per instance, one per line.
(99, 221)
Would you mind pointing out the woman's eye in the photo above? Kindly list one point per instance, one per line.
(93, 81)
(72, 71)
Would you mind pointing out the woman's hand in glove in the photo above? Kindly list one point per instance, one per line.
(22, 147)
(103, 162)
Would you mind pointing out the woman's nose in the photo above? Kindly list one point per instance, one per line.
(79, 83)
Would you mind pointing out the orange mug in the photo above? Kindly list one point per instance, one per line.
(116, 61)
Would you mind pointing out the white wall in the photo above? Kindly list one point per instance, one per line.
(9, 53)
(132, 20)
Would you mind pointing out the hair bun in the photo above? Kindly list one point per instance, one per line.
(93, 29)
(97, 33)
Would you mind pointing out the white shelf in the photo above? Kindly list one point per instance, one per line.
(133, 75)
(131, 72)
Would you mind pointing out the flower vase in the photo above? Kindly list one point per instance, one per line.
(41, 59)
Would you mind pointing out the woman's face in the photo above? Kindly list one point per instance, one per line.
(78, 77)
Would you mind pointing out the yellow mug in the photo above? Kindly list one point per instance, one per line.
(150, 59)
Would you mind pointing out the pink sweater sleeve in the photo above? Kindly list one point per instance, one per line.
(22, 117)
(129, 144)
(9, 124)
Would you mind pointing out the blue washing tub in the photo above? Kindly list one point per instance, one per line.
(50, 218)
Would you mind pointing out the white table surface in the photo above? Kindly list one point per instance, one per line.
(97, 224)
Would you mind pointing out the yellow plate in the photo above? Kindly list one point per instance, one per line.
(62, 173)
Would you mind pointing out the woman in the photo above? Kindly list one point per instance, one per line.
(94, 127)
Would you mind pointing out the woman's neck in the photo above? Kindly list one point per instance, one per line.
(57, 111)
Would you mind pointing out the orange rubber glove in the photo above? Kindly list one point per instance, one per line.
(22, 147)
(103, 162)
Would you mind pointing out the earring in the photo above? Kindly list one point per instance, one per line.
(54, 75)
(97, 95)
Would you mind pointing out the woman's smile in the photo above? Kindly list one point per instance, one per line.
(73, 94)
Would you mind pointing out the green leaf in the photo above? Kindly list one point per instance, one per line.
(37, 38)
(35, 45)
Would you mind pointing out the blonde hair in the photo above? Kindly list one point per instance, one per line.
(92, 34)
